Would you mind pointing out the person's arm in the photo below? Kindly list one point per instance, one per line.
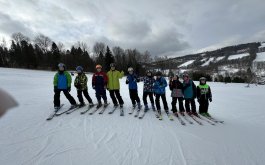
(106, 79)
(93, 81)
(55, 80)
(69, 79)
(198, 92)
(121, 74)
(127, 80)
(194, 90)
(210, 94)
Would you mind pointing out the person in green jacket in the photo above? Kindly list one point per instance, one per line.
(62, 83)
(204, 95)
(81, 87)
(114, 85)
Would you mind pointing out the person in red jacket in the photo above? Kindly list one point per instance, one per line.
(99, 83)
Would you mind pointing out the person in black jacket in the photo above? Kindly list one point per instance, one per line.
(204, 95)
(176, 87)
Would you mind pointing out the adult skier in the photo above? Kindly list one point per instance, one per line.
(62, 83)
(81, 87)
(176, 88)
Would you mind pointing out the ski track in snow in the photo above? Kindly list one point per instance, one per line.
(27, 138)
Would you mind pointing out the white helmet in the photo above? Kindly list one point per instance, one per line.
(130, 69)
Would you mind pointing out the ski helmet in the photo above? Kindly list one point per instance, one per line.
(158, 73)
(61, 66)
(98, 66)
(79, 69)
(112, 65)
(202, 78)
(130, 69)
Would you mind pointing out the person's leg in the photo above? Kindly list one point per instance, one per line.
(181, 107)
(56, 99)
(131, 92)
(152, 100)
(187, 105)
(113, 98)
(145, 94)
(87, 96)
(69, 97)
(173, 104)
(80, 97)
(193, 106)
(164, 99)
(117, 93)
(157, 100)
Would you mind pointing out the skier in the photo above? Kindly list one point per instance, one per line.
(81, 87)
(99, 83)
(132, 80)
(189, 91)
(160, 85)
(114, 85)
(148, 90)
(176, 87)
(62, 82)
(203, 95)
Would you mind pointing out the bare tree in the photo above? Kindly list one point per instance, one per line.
(18, 37)
(60, 46)
(82, 45)
(43, 42)
(99, 47)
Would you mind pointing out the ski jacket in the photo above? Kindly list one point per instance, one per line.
(81, 82)
(189, 89)
(160, 85)
(62, 80)
(99, 80)
(114, 76)
(148, 83)
(204, 92)
(132, 80)
(176, 87)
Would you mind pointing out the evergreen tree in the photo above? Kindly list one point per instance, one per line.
(108, 59)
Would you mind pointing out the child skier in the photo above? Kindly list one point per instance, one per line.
(81, 87)
(132, 80)
(160, 85)
(62, 83)
(114, 85)
(176, 87)
(99, 83)
(189, 91)
(203, 95)
(148, 90)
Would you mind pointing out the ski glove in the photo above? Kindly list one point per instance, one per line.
(69, 89)
(210, 99)
(94, 87)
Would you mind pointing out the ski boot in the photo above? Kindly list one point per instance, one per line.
(105, 103)
(146, 108)
(99, 104)
(153, 107)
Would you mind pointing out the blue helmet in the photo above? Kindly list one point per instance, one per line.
(79, 69)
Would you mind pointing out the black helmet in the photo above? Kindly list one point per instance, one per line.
(112, 65)
(158, 73)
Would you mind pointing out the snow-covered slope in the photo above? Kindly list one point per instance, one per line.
(237, 56)
(208, 61)
(260, 57)
(28, 139)
(186, 63)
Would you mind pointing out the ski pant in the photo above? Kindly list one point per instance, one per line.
(134, 96)
(101, 93)
(174, 102)
(204, 104)
(80, 96)
(150, 94)
(188, 102)
(67, 95)
(115, 94)
(163, 96)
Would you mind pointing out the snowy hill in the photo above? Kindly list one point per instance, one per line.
(28, 139)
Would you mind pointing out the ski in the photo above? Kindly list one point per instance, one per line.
(95, 110)
(196, 119)
(89, 107)
(137, 113)
(121, 111)
(179, 119)
(112, 111)
(53, 113)
(185, 118)
(206, 119)
(142, 115)
(214, 120)
(103, 110)
(160, 117)
(70, 109)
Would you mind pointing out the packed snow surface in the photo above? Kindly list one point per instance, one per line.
(28, 139)
(238, 56)
(187, 63)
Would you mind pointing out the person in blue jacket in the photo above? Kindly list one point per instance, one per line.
(132, 81)
(160, 85)
(189, 91)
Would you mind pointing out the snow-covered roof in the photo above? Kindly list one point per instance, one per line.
(208, 62)
(187, 63)
(260, 57)
(237, 56)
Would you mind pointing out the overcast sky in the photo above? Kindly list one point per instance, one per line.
(164, 27)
